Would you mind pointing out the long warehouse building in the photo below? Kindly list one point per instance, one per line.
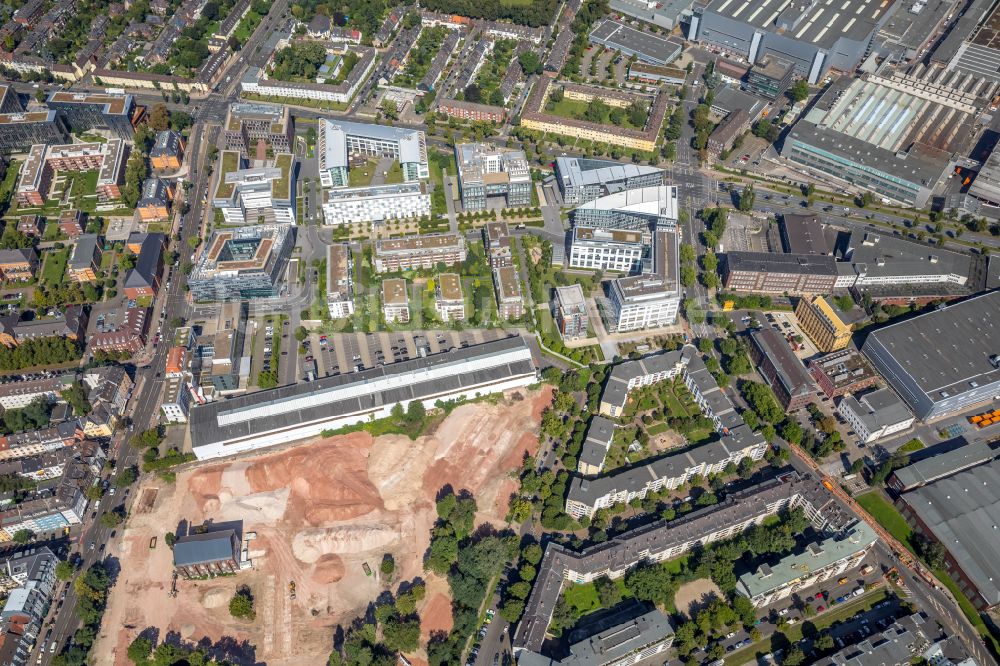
(284, 414)
(943, 361)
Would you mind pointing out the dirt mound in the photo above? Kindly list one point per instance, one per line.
(215, 598)
(328, 569)
(311, 545)
(327, 480)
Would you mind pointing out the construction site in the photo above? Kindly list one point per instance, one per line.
(320, 515)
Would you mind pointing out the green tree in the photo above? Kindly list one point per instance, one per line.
(401, 635)
(65, 570)
(747, 198)
(388, 566)
(799, 90)
(139, 649)
(111, 519)
(23, 536)
(241, 605)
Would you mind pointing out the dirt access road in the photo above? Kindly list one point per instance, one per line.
(320, 509)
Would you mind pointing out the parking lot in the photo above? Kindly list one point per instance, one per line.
(340, 353)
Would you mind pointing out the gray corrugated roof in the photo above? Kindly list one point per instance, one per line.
(203, 548)
(943, 464)
(205, 419)
(947, 350)
(963, 513)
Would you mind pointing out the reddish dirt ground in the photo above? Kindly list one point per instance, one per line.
(320, 510)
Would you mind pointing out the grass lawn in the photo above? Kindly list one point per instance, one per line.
(395, 174)
(108, 260)
(55, 266)
(699, 435)
(673, 403)
(567, 108)
(362, 176)
(885, 513)
(750, 655)
(247, 26)
(583, 596)
(657, 429)
(52, 231)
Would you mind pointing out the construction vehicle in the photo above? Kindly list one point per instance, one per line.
(291, 589)
(368, 569)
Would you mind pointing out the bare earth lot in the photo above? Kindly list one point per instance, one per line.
(320, 510)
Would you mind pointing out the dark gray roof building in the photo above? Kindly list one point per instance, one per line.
(937, 467)
(804, 234)
(646, 46)
(961, 512)
(944, 360)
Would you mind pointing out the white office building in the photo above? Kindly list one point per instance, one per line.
(653, 299)
(606, 249)
(876, 415)
(340, 140)
(376, 203)
(264, 195)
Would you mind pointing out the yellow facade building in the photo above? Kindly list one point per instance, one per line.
(822, 324)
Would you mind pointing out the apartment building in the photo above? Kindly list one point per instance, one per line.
(395, 301)
(167, 151)
(665, 540)
(376, 203)
(425, 251)
(507, 287)
(44, 160)
(737, 441)
(154, 202)
(821, 323)
(534, 116)
(128, 336)
(29, 582)
(631, 636)
(18, 265)
(71, 223)
(842, 372)
(876, 415)
(570, 311)
(30, 225)
(449, 302)
(71, 324)
(20, 394)
(256, 81)
(496, 240)
(817, 562)
(85, 260)
(340, 280)
(593, 453)
(616, 250)
(471, 111)
(252, 128)
(20, 130)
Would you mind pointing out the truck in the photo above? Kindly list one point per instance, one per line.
(865, 570)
